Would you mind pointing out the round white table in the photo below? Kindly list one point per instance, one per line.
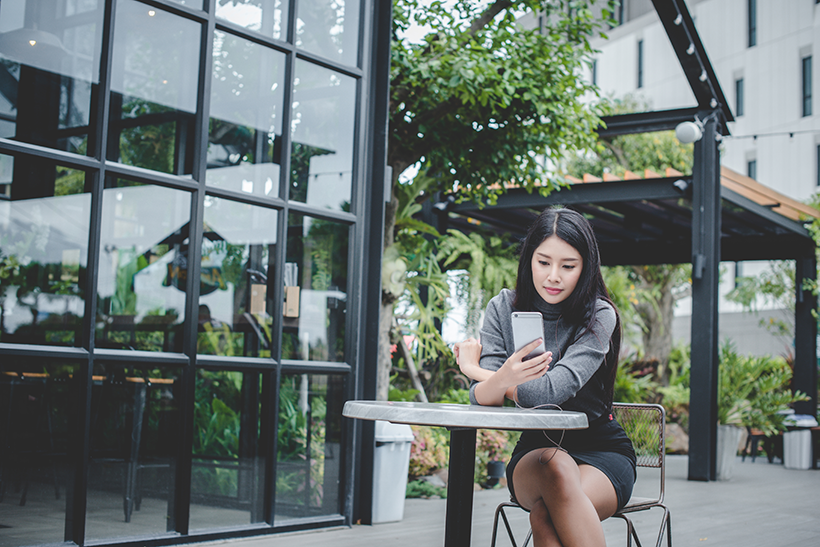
(462, 421)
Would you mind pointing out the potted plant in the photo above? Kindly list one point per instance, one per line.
(492, 448)
(752, 392)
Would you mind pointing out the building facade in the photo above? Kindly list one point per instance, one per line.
(186, 198)
(762, 54)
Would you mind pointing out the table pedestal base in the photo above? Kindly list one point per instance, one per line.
(460, 488)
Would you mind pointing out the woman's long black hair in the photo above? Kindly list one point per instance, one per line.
(580, 306)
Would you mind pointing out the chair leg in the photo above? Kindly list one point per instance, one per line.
(666, 523)
(500, 510)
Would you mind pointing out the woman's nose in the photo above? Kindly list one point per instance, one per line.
(553, 273)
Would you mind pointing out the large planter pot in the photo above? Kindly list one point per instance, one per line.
(495, 471)
(728, 437)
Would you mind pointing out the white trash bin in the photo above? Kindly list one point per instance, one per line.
(391, 461)
(797, 449)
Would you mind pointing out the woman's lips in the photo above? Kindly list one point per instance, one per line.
(552, 290)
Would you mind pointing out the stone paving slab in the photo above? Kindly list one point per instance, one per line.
(762, 505)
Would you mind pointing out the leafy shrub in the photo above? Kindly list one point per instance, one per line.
(429, 451)
(423, 489)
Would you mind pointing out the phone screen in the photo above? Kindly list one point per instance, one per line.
(528, 326)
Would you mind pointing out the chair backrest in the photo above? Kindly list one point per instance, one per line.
(645, 426)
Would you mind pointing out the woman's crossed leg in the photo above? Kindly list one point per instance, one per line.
(567, 501)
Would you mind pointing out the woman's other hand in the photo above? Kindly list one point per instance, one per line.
(468, 354)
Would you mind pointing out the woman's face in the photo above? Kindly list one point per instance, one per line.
(556, 268)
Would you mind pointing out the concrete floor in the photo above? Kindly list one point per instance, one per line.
(763, 504)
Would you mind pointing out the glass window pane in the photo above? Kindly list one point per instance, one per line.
(324, 111)
(44, 222)
(329, 28)
(49, 62)
(134, 439)
(268, 17)
(315, 281)
(247, 99)
(37, 468)
(154, 75)
(238, 257)
(195, 4)
(228, 476)
(143, 266)
(309, 449)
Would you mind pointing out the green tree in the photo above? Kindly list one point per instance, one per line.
(480, 101)
(653, 290)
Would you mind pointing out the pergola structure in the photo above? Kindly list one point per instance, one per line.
(714, 214)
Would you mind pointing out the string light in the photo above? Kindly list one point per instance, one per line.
(791, 134)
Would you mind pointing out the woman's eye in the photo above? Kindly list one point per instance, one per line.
(569, 266)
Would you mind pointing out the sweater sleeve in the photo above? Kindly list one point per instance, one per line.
(565, 378)
(493, 348)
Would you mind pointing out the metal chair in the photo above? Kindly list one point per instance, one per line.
(645, 426)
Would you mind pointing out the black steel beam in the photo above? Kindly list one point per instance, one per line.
(805, 335)
(691, 54)
(645, 122)
(360, 438)
(592, 192)
(705, 279)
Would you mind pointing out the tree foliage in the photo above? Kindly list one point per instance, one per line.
(479, 103)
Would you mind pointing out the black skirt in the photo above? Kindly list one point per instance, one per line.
(603, 445)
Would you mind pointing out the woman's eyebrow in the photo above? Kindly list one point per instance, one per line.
(567, 259)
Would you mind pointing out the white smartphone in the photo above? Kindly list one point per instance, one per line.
(528, 326)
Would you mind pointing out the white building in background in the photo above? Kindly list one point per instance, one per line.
(762, 52)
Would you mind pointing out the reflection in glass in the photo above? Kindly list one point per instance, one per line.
(49, 63)
(36, 433)
(134, 439)
(238, 253)
(308, 450)
(267, 17)
(244, 146)
(315, 284)
(153, 89)
(322, 129)
(44, 224)
(195, 4)
(143, 266)
(227, 481)
(329, 28)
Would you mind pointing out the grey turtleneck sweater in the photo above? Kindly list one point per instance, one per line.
(574, 380)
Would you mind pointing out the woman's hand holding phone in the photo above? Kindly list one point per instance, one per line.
(517, 369)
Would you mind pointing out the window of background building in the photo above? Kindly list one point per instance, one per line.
(739, 97)
(817, 157)
(751, 169)
(752, 23)
(806, 74)
(640, 64)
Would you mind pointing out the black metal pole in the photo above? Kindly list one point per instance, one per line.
(705, 279)
(459, 519)
(805, 336)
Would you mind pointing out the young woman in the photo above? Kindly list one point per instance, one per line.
(569, 481)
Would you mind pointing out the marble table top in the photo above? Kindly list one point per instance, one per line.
(466, 416)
